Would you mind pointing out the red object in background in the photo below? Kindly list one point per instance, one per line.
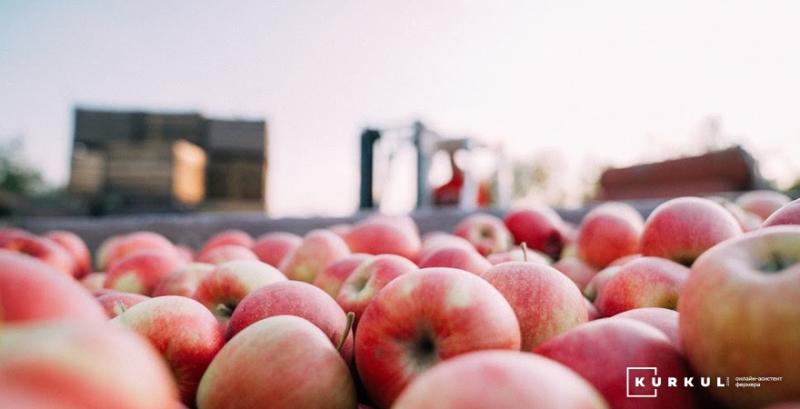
(449, 193)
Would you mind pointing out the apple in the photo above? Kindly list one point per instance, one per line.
(681, 229)
(644, 282)
(115, 303)
(591, 311)
(228, 237)
(333, 276)
(531, 256)
(384, 236)
(762, 203)
(183, 331)
(368, 279)
(294, 298)
(141, 272)
(545, 301)
(456, 257)
(281, 362)
(435, 240)
(81, 364)
(184, 280)
(789, 214)
(185, 252)
(31, 290)
(76, 247)
(601, 351)
(541, 228)
(116, 248)
(596, 284)
(93, 281)
(341, 229)
(424, 317)
(226, 252)
(272, 248)
(499, 379)
(608, 232)
(747, 221)
(739, 314)
(624, 260)
(318, 249)
(486, 232)
(230, 282)
(44, 249)
(663, 319)
(576, 270)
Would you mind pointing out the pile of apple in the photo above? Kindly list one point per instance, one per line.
(521, 312)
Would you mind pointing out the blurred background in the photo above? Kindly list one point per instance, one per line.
(320, 108)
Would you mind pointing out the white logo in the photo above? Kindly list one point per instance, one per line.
(640, 373)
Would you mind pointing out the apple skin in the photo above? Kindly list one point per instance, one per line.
(576, 270)
(82, 365)
(545, 302)
(44, 249)
(31, 290)
(624, 260)
(485, 232)
(608, 232)
(185, 252)
(294, 298)
(747, 221)
(268, 364)
(499, 379)
(368, 279)
(333, 276)
(183, 281)
(591, 311)
(93, 281)
(601, 350)
(228, 237)
(141, 272)
(117, 248)
(789, 214)
(762, 203)
(467, 259)
(229, 283)
(663, 319)
(599, 280)
(318, 249)
(76, 247)
(272, 248)
(436, 240)
(384, 236)
(739, 315)
(644, 282)
(115, 303)
(681, 229)
(226, 252)
(531, 256)
(541, 228)
(424, 317)
(185, 333)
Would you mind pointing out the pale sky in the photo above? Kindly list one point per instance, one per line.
(606, 82)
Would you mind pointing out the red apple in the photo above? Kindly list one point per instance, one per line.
(591, 311)
(545, 302)
(381, 236)
(369, 278)
(185, 252)
(228, 237)
(486, 232)
(44, 249)
(789, 214)
(601, 352)
(282, 362)
(93, 281)
(644, 282)
(599, 280)
(341, 229)
(332, 277)
(540, 228)
(456, 257)
(624, 260)
(141, 272)
(762, 203)
(183, 331)
(31, 290)
(425, 317)
(318, 249)
(184, 280)
(608, 232)
(576, 270)
(294, 298)
(681, 229)
(76, 247)
(499, 379)
(226, 252)
(663, 319)
(229, 283)
(81, 365)
(272, 248)
(531, 256)
(436, 240)
(739, 315)
(115, 303)
(747, 221)
(117, 248)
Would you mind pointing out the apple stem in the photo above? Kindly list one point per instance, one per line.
(224, 309)
(351, 317)
(121, 307)
(524, 251)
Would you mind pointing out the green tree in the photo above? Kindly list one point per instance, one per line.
(16, 176)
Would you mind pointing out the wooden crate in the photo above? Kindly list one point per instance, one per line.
(88, 171)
